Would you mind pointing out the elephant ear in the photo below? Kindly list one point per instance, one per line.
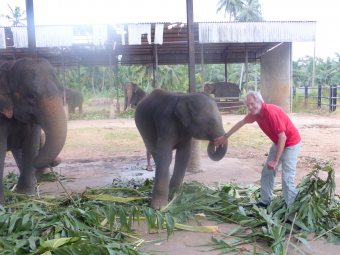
(183, 113)
(6, 104)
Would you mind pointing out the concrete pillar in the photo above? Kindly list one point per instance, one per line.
(276, 76)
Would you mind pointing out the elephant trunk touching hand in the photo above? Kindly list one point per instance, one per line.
(169, 121)
(30, 100)
(133, 95)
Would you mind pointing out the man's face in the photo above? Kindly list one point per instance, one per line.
(253, 106)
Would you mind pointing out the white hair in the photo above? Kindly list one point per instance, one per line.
(256, 95)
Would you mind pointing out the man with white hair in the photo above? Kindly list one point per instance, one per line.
(285, 149)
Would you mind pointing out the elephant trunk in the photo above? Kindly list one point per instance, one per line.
(129, 90)
(52, 120)
(217, 153)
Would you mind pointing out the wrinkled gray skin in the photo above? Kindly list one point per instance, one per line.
(74, 99)
(222, 89)
(133, 95)
(169, 121)
(30, 101)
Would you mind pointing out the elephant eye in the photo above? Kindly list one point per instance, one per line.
(32, 98)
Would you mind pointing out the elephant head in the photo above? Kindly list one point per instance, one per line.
(34, 95)
(133, 95)
(209, 88)
(199, 114)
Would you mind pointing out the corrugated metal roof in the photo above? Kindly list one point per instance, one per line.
(215, 43)
(274, 31)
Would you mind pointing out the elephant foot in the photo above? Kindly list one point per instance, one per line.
(45, 170)
(26, 187)
(149, 168)
(159, 202)
(26, 190)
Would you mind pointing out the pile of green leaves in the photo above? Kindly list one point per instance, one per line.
(95, 222)
(99, 221)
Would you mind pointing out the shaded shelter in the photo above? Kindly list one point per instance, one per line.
(267, 43)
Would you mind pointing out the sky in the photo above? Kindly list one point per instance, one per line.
(325, 13)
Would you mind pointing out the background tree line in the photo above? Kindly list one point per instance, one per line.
(101, 80)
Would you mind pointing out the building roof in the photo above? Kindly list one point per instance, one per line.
(154, 43)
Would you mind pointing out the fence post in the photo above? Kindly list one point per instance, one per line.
(330, 98)
(334, 97)
(306, 93)
(319, 96)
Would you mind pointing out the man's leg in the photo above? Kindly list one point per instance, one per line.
(289, 160)
(267, 178)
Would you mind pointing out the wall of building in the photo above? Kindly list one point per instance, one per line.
(276, 76)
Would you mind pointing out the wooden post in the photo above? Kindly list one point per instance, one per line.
(194, 161)
(191, 45)
(30, 26)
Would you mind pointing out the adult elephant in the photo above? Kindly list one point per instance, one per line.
(30, 100)
(222, 89)
(133, 95)
(168, 121)
(74, 99)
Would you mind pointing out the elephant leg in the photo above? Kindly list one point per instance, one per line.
(3, 150)
(181, 163)
(80, 108)
(27, 180)
(125, 102)
(73, 109)
(17, 154)
(160, 193)
(148, 160)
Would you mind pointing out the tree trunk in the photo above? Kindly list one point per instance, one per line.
(194, 165)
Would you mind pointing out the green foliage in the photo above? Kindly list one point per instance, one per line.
(101, 81)
(100, 221)
(327, 72)
(241, 10)
(98, 115)
(16, 17)
(89, 225)
(128, 114)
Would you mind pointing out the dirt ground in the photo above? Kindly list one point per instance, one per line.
(96, 165)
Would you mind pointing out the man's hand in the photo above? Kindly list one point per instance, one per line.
(220, 140)
(272, 164)
(280, 148)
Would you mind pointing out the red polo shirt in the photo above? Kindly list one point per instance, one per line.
(273, 121)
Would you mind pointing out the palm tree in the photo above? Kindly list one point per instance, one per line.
(231, 7)
(250, 11)
(241, 10)
(17, 16)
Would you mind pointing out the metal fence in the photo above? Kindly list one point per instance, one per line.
(321, 96)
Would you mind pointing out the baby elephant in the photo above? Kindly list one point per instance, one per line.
(74, 99)
(133, 95)
(169, 121)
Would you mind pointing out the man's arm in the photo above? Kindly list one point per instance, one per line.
(280, 148)
(221, 140)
